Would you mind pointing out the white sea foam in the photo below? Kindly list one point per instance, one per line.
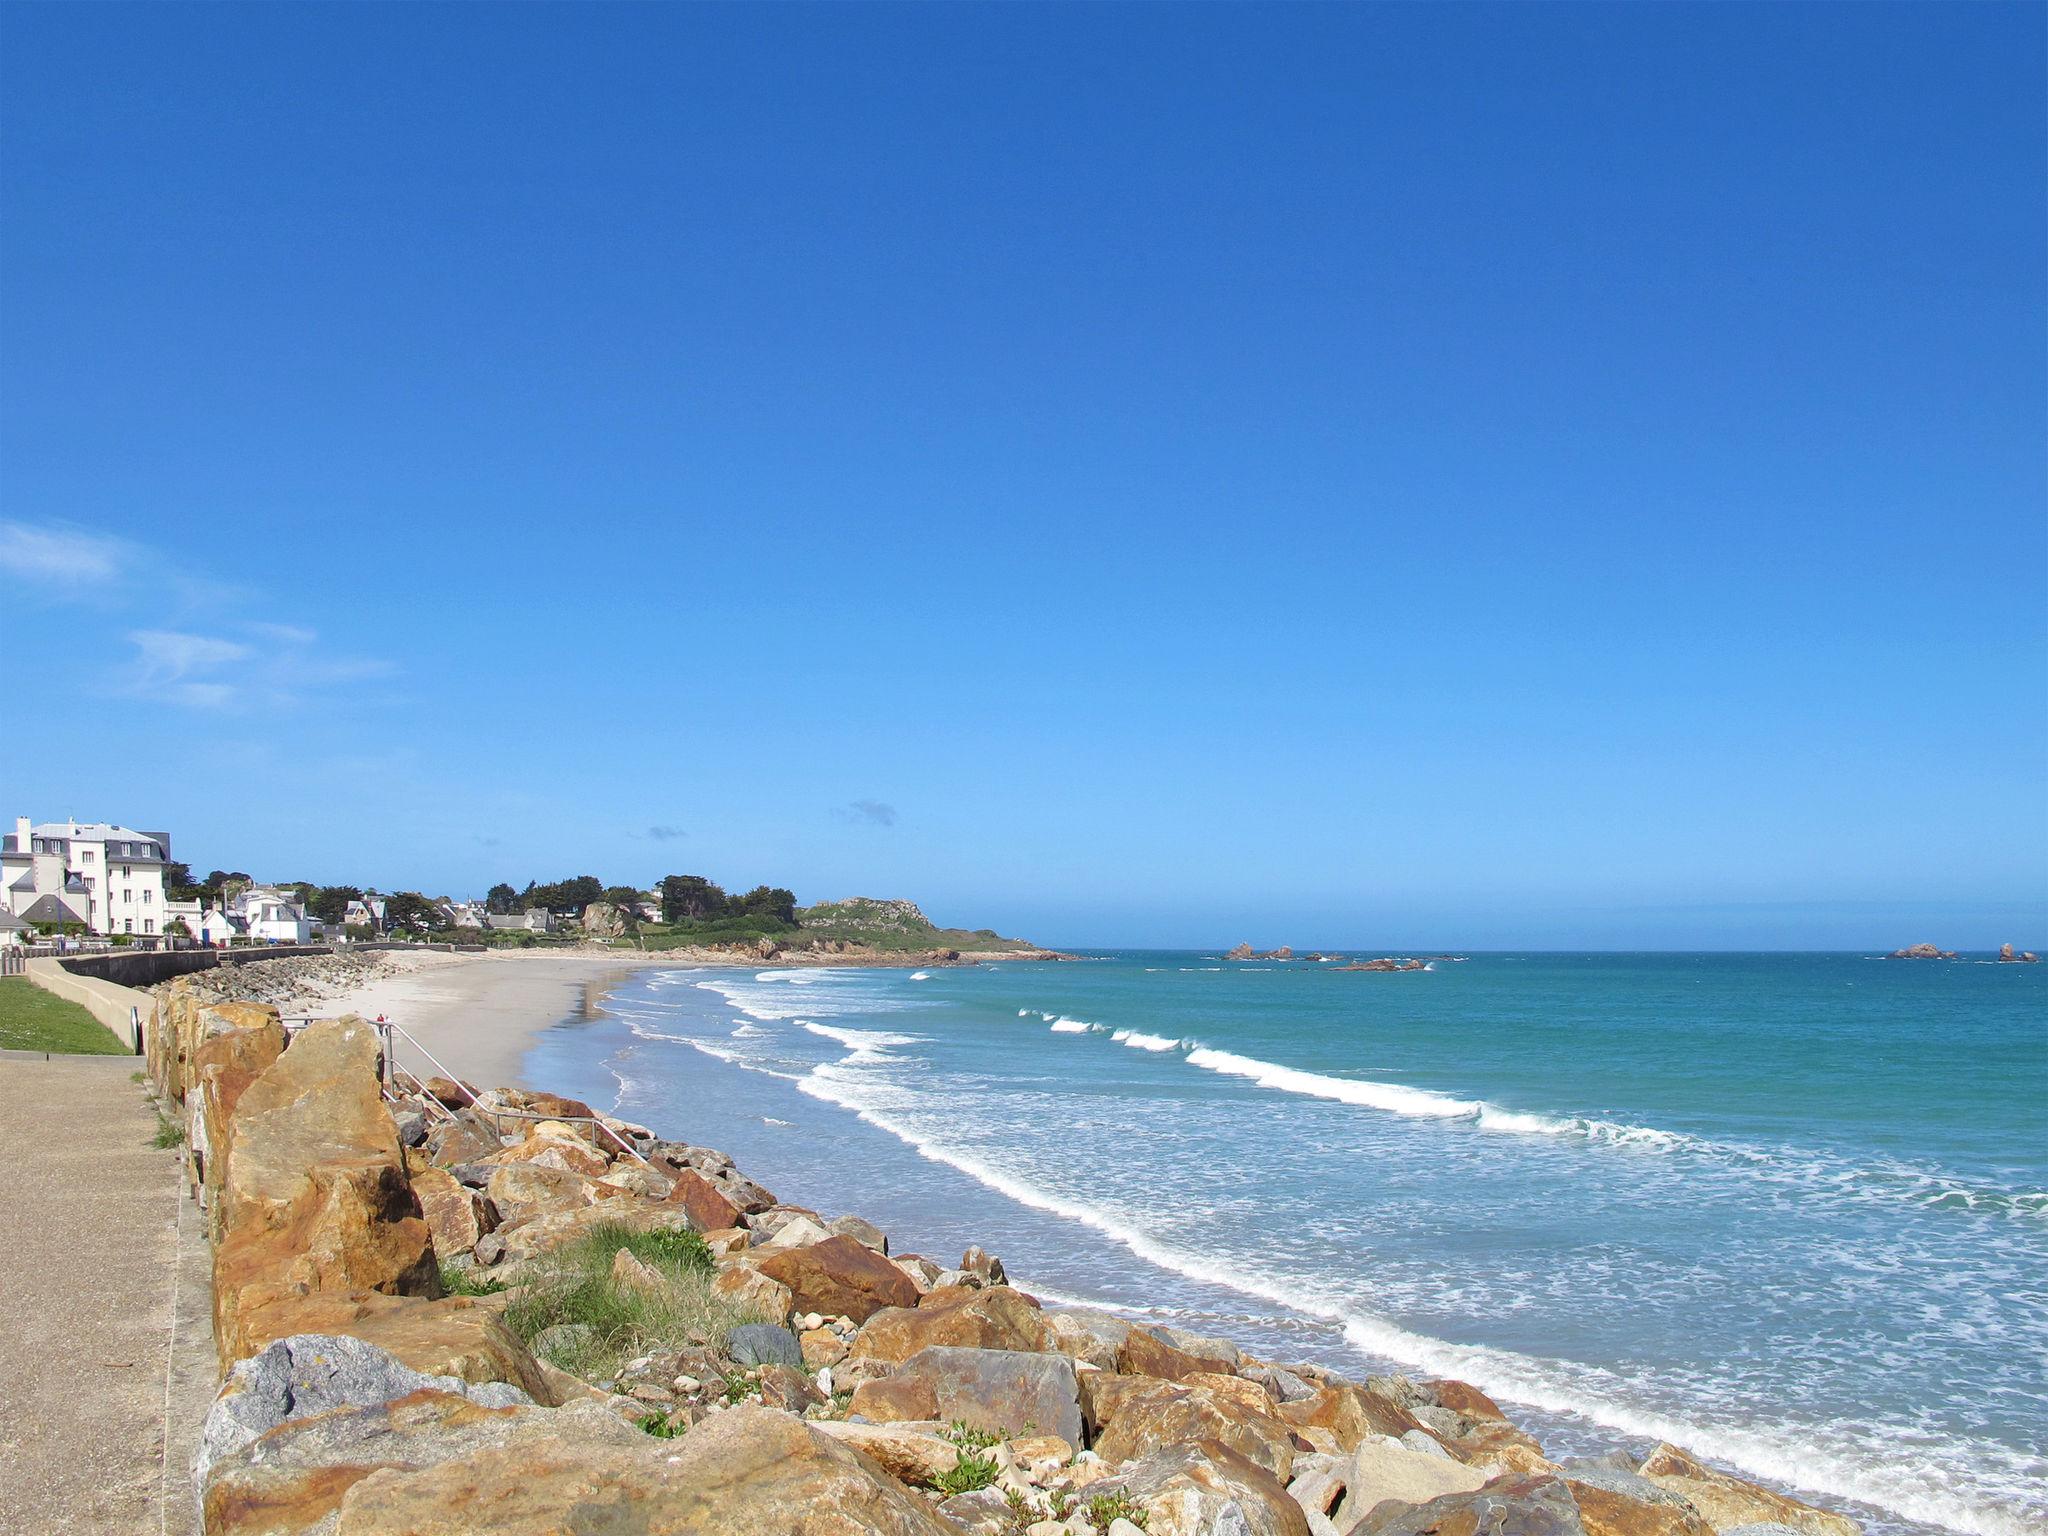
(1138, 1040)
(866, 1045)
(1920, 1483)
(1073, 1027)
(920, 975)
(749, 1029)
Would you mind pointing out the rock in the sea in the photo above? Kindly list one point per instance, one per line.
(1004, 1391)
(764, 1344)
(1726, 1502)
(861, 1231)
(310, 1373)
(1606, 1509)
(840, 1278)
(1514, 1505)
(1144, 1352)
(1001, 1318)
(1203, 1488)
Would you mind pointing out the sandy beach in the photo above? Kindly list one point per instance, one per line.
(477, 1014)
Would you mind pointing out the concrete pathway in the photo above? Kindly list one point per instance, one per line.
(104, 1332)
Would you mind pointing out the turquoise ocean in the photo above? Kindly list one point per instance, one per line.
(1790, 1211)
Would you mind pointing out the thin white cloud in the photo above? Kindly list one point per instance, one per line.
(57, 552)
(276, 667)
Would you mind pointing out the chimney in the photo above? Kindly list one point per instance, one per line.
(21, 834)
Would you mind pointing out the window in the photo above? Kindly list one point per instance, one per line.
(125, 872)
(130, 927)
(85, 856)
(145, 895)
(149, 925)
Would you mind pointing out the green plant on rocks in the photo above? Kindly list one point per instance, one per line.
(459, 1280)
(971, 1471)
(1105, 1509)
(662, 1427)
(594, 1323)
(169, 1133)
(966, 1437)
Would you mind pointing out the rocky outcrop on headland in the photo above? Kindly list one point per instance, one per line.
(444, 1311)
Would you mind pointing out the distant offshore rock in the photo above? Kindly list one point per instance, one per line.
(2024, 957)
(1922, 952)
(1316, 956)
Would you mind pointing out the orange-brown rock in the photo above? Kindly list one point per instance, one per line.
(909, 1400)
(314, 1195)
(456, 1214)
(455, 1336)
(1725, 1502)
(1143, 1353)
(1507, 1506)
(745, 1470)
(1464, 1398)
(1350, 1412)
(223, 1066)
(564, 1149)
(1605, 1512)
(1202, 1486)
(840, 1278)
(999, 1318)
(709, 1210)
(524, 1190)
(1132, 1416)
(543, 1234)
(747, 1287)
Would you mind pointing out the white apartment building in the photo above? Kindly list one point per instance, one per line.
(106, 876)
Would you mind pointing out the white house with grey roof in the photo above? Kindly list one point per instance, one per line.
(101, 874)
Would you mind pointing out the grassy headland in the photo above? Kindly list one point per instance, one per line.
(887, 927)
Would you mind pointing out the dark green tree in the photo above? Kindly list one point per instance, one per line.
(501, 898)
(412, 911)
(765, 901)
(329, 903)
(690, 898)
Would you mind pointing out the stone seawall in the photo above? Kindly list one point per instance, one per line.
(439, 1311)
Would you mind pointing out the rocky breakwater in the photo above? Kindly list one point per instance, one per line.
(443, 1312)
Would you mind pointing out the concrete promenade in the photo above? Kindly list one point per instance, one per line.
(104, 1332)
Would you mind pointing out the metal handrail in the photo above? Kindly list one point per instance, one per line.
(389, 1030)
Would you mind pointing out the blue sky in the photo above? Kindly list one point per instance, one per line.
(1411, 475)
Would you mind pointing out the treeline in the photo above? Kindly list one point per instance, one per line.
(564, 898)
(694, 899)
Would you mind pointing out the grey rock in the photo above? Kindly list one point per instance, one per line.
(866, 1233)
(472, 1175)
(1422, 1440)
(314, 1373)
(563, 1341)
(1761, 1528)
(1231, 1496)
(985, 1512)
(1285, 1386)
(1004, 1390)
(1203, 1347)
(764, 1344)
(1086, 1334)
(1515, 1505)
(1617, 1474)
(986, 1266)
(490, 1248)
(412, 1128)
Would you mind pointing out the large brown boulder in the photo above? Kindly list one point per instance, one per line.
(1203, 1486)
(554, 1145)
(840, 1278)
(1514, 1505)
(1003, 1391)
(752, 1470)
(1350, 1413)
(1608, 1512)
(967, 1318)
(296, 1476)
(455, 1336)
(461, 1140)
(1381, 1469)
(314, 1195)
(223, 1065)
(457, 1215)
(523, 1190)
(1725, 1502)
(1144, 1353)
(709, 1210)
(1133, 1416)
(543, 1234)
